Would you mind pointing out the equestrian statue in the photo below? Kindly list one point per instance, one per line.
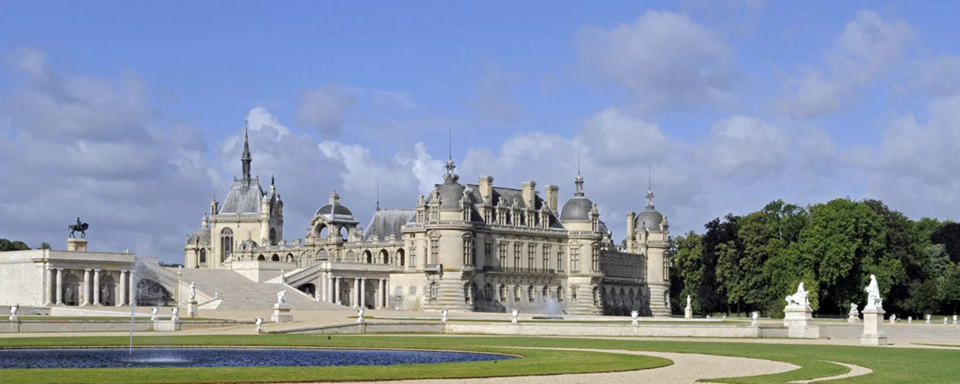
(78, 227)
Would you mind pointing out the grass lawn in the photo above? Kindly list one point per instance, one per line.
(890, 365)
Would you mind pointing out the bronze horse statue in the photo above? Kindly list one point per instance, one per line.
(81, 227)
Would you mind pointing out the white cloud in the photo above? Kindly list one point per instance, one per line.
(74, 145)
(259, 118)
(866, 48)
(938, 76)
(325, 109)
(913, 168)
(665, 59)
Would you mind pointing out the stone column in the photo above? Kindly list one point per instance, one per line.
(336, 290)
(50, 298)
(131, 289)
(123, 294)
(85, 288)
(379, 300)
(320, 291)
(356, 292)
(59, 286)
(96, 287)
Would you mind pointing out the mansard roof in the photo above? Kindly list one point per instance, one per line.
(388, 222)
(244, 197)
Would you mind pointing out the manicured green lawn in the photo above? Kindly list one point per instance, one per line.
(890, 365)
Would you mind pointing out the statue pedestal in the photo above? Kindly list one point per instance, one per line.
(853, 318)
(873, 327)
(799, 322)
(76, 245)
(688, 313)
(192, 308)
(281, 313)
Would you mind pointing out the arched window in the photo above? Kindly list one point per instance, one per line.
(433, 290)
(384, 257)
(226, 243)
(203, 255)
(275, 257)
(367, 257)
(400, 258)
(261, 258)
(273, 236)
(322, 231)
(289, 257)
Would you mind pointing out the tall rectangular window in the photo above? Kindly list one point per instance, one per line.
(516, 255)
(575, 260)
(531, 257)
(546, 257)
(560, 266)
(502, 254)
(487, 252)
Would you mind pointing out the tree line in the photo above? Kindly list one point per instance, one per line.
(752, 262)
(8, 245)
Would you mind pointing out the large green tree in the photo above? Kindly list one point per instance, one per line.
(843, 244)
(685, 274)
(949, 235)
(7, 245)
(720, 238)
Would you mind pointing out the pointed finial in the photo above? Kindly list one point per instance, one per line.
(649, 176)
(378, 193)
(449, 143)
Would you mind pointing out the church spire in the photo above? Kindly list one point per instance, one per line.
(246, 159)
(450, 165)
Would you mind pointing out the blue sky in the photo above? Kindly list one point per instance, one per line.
(735, 103)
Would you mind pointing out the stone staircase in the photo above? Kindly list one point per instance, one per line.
(238, 292)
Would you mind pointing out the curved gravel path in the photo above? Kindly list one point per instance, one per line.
(855, 370)
(686, 368)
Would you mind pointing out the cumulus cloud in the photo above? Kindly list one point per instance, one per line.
(73, 145)
(665, 59)
(325, 109)
(866, 48)
(937, 77)
(913, 168)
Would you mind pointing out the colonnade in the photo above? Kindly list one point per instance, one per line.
(89, 289)
(328, 290)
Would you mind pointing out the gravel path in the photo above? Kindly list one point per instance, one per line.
(686, 368)
(855, 370)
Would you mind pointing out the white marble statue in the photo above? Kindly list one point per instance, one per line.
(893, 319)
(13, 312)
(873, 294)
(909, 319)
(155, 311)
(928, 320)
(634, 315)
(515, 314)
(688, 302)
(69, 294)
(360, 315)
(104, 294)
(259, 324)
(176, 312)
(853, 309)
(193, 291)
(799, 299)
(954, 319)
(282, 297)
(216, 295)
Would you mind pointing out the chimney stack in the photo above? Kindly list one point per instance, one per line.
(486, 189)
(552, 192)
(529, 193)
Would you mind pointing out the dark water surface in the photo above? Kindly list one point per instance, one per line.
(153, 358)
